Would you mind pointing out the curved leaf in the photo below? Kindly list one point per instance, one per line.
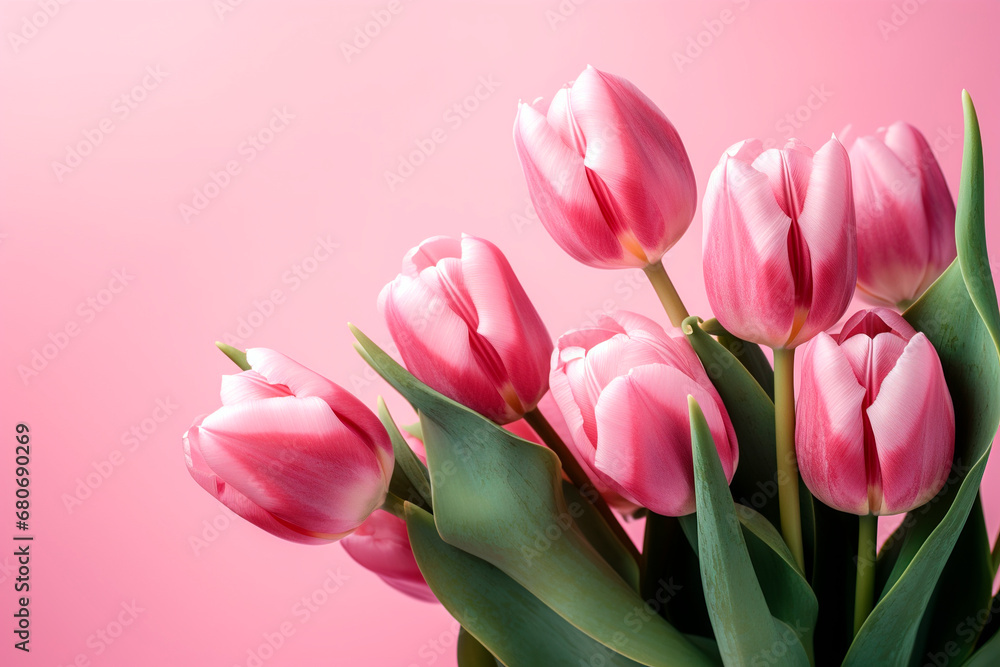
(959, 314)
(471, 653)
(499, 497)
(752, 414)
(499, 613)
(410, 480)
(749, 354)
(745, 631)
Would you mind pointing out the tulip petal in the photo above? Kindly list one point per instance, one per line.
(644, 438)
(913, 421)
(893, 239)
(638, 156)
(232, 498)
(249, 386)
(827, 225)
(381, 545)
(436, 347)
(939, 206)
(747, 271)
(303, 382)
(829, 432)
(507, 319)
(296, 460)
(562, 196)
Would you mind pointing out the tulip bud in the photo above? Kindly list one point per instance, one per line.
(382, 545)
(607, 172)
(875, 427)
(906, 216)
(464, 326)
(780, 256)
(623, 389)
(291, 452)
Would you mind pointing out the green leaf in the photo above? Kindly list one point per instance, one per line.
(752, 414)
(471, 653)
(745, 630)
(600, 536)
(962, 598)
(987, 656)
(749, 354)
(670, 557)
(502, 615)
(499, 497)
(238, 357)
(959, 314)
(410, 480)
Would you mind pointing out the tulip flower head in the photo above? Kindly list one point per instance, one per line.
(607, 172)
(780, 255)
(465, 327)
(382, 545)
(291, 452)
(875, 427)
(905, 214)
(623, 389)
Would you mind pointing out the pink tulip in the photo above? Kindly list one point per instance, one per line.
(622, 387)
(291, 451)
(607, 172)
(906, 216)
(464, 326)
(780, 257)
(875, 425)
(382, 545)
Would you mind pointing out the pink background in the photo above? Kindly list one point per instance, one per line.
(63, 235)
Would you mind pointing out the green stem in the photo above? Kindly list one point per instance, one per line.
(578, 477)
(864, 594)
(669, 297)
(394, 506)
(788, 468)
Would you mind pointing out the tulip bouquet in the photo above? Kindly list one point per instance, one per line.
(506, 501)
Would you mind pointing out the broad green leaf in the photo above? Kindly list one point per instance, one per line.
(959, 314)
(499, 497)
(471, 653)
(987, 656)
(745, 630)
(670, 559)
(600, 536)
(410, 480)
(502, 615)
(963, 592)
(752, 414)
(749, 354)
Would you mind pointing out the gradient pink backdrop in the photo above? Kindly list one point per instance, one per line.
(323, 176)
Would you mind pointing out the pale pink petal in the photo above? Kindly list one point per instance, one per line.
(638, 156)
(232, 498)
(874, 321)
(429, 253)
(561, 194)
(507, 319)
(827, 225)
(893, 238)
(829, 430)
(913, 422)
(296, 460)
(436, 347)
(249, 386)
(747, 272)
(644, 438)
(381, 545)
(276, 368)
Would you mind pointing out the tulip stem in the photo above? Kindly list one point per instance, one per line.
(665, 289)
(788, 468)
(578, 477)
(864, 594)
(394, 505)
